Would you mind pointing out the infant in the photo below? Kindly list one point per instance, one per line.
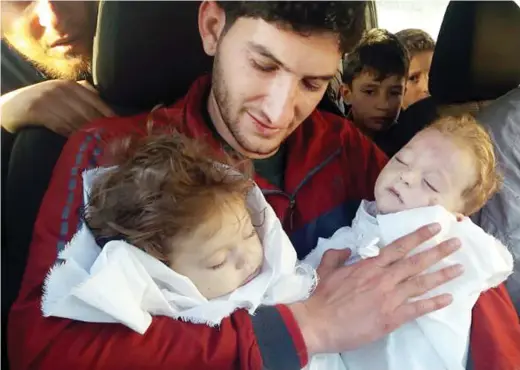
(170, 200)
(446, 172)
(172, 229)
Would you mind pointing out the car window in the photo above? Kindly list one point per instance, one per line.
(396, 15)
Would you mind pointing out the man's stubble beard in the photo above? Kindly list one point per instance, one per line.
(223, 102)
(53, 66)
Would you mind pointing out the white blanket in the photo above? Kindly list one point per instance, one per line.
(439, 340)
(122, 284)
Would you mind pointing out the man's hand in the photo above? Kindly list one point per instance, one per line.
(358, 304)
(61, 106)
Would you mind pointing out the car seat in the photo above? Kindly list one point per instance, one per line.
(501, 215)
(476, 60)
(147, 53)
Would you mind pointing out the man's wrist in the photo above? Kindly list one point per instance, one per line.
(279, 339)
(304, 321)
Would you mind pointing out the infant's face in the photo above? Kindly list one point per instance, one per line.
(222, 255)
(431, 169)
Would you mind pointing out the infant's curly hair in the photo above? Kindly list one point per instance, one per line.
(468, 133)
(163, 186)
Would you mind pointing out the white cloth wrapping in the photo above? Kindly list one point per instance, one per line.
(122, 284)
(438, 340)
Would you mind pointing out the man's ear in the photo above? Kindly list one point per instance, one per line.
(212, 20)
(346, 93)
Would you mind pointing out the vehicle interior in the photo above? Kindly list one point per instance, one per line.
(476, 60)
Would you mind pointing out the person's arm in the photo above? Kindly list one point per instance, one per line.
(495, 332)
(59, 105)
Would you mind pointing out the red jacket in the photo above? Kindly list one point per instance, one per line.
(331, 166)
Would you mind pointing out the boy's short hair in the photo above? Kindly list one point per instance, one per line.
(467, 132)
(380, 53)
(344, 18)
(162, 186)
(416, 41)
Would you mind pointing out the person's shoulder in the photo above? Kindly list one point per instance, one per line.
(139, 124)
(114, 126)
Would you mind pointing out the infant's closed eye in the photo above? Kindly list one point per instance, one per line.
(251, 234)
(218, 265)
(428, 184)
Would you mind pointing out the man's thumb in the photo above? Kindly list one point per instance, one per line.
(332, 259)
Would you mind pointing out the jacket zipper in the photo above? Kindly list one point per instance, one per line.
(292, 197)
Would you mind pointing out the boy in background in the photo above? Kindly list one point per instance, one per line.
(374, 80)
(420, 46)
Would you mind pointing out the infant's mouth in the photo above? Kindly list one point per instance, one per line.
(393, 191)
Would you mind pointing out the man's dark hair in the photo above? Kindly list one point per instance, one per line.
(380, 53)
(345, 18)
(416, 41)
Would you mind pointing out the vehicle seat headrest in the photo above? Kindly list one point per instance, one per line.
(147, 53)
(477, 56)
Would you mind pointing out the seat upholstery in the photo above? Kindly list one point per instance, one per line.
(477, 56)
(147, 52)
(501, 215)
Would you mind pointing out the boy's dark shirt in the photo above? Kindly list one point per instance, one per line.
(411, 121)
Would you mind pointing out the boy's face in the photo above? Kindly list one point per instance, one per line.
(266, 79)
(417, 84)
(431, 169)
(221, 255)
(374, 104)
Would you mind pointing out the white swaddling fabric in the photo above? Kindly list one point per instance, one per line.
(122, 284)
(440, 339)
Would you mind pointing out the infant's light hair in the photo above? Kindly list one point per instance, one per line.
(469, 134)
(163, 186)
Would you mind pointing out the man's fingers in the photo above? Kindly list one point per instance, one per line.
(414, 265)
(81, 113)
(424, 283)
(413, 310)
(402, 246)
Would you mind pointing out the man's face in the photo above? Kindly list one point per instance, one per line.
(431, 169)
(375, 104)
(57, 36)
(266, 82)
(417, 84)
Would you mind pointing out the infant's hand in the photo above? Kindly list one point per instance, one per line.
(459, 216)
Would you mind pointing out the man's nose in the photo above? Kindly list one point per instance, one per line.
(280, 103)
(46, 14)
